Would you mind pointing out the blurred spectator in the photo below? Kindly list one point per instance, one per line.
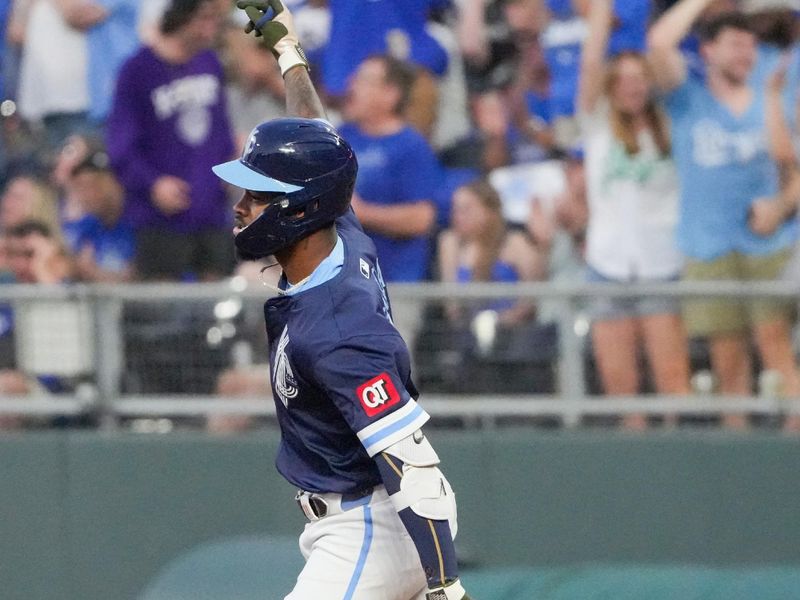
(496, 40)
(35, 255)
(7, 49)
(112, 37)
(774, 22)
(26, 198)
(498, 342)
(312, 21)
(248, 376)
(530, 135)
(75, 150)
(363, 28)
(633, 210)
(480, 247)
(557, 224)
(487, 44)
(53, 86)
(167, 128)
(104, 245)
(562, 39)
(735, 202)
(452, 125)
(516, 124)
(631, 19)
(149, 21)
(398, 172)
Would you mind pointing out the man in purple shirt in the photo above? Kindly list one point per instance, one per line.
(167, 128)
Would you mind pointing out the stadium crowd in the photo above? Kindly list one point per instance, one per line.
(498, 140)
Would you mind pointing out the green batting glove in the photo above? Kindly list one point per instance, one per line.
(272, 23)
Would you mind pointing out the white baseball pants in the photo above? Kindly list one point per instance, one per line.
(364, 553)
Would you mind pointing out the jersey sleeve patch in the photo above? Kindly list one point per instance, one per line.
(377, 395)
(392, 428)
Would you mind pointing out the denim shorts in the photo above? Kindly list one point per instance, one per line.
(609, 309)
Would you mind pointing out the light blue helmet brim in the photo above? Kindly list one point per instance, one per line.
(239, 174)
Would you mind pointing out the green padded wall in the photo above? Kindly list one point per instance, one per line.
(95, 516)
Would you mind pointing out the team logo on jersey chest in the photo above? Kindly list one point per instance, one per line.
(282, 375)
(377, 394)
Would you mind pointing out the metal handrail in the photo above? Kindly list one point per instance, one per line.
(572, 403)
(485, 405)
(414, 291)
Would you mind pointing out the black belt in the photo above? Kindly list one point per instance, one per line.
(317, 506)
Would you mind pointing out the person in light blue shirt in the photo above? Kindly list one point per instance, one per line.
(737, 198)
(770, 58)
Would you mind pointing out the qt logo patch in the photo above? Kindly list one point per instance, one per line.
(377, 394)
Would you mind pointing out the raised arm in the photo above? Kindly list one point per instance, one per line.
(779, 133)
(664, 39)
(472, 32)
(767, 214)
(593, 61)
(301, 97)
(273, 25)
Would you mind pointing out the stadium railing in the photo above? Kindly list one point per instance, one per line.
(157, 350)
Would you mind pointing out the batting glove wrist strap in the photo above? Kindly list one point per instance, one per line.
(292, 57)
(451, 591)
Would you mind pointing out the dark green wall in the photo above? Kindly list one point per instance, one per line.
(94, 516)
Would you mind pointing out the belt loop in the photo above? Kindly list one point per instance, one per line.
(302, 499)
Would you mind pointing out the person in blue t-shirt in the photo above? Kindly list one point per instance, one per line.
(398, 172)
(381, 514)
(103, 244)
(739, 190)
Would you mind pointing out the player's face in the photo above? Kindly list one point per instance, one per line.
(249, 208)
(732, 54)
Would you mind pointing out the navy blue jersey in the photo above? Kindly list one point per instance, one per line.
(340, 374)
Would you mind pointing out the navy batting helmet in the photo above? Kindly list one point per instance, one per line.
(309, 165)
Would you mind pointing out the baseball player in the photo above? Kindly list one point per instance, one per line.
(382, 516)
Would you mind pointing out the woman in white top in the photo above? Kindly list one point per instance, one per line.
(633, 207)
